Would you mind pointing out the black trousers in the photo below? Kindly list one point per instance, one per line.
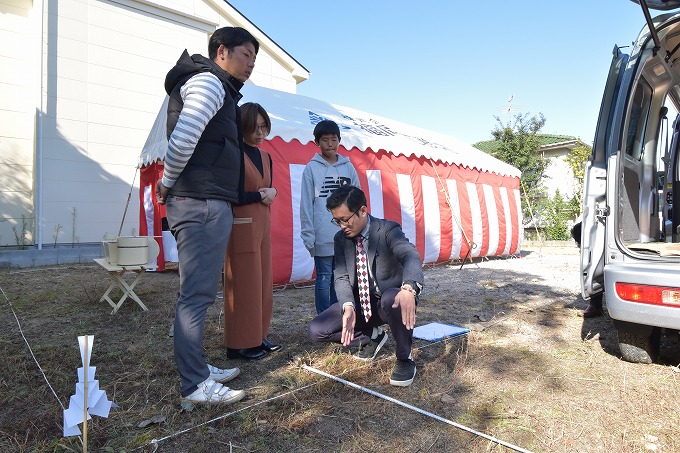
(327, 327)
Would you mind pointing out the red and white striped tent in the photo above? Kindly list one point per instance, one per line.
(451, 199)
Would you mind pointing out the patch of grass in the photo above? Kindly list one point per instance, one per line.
(520, 376)
(246, 422)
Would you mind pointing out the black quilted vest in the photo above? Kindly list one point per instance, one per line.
(216, 166)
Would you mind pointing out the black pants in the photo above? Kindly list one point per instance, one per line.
(327, 327)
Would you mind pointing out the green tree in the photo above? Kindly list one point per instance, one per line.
(517, 144)
(555, 214)
(577, 159)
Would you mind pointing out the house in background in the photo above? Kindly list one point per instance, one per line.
(81, 85)
(558, 175)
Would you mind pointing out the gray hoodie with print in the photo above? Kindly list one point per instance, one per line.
(319, 180)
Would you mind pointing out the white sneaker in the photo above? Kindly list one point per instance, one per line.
(222, 376)
(211, 392)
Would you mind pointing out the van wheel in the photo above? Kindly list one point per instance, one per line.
(638, 343)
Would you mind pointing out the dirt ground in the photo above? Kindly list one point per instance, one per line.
(530, 374)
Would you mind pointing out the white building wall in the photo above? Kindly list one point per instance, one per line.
(105, 62)
(104, 83)
(272, 70)
(558, 175)
(270, 74)
(19, 95)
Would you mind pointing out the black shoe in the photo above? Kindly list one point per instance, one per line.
(369, 351)
(247, 353)
(404, 372)
(269, 346)
(591, 311)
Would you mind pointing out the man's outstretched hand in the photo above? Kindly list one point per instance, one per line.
(348, 321)
(407, 301)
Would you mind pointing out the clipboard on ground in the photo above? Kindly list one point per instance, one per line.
(435, 331)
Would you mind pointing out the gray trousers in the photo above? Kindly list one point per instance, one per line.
(327, 327)
(201, 229)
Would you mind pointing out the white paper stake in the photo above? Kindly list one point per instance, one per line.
(85, 343)
(87, 348)
(89, 399)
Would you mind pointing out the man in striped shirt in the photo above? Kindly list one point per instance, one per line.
(201, 178)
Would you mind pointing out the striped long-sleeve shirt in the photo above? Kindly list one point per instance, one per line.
(203, 95)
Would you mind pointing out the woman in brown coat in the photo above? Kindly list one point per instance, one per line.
(248, 291)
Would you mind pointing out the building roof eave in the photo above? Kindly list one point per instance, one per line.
(570, 144)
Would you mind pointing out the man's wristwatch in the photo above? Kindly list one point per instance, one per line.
(413, 286)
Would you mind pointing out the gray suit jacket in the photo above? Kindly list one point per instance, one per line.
(391, 257)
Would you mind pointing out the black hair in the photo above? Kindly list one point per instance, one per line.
(325, 127)
(230, 37)
(349, 195)
(249, 112)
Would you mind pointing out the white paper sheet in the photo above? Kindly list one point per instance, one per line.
(97, 402)
(435, 331)
(81, 342)
(90, 373)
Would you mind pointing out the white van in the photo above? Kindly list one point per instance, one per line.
(630, 235)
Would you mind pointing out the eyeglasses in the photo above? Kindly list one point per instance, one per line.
(262, 128)
(342, 223)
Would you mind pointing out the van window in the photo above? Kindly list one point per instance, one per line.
(639, 111)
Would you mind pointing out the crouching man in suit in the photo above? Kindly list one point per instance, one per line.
(378, 276)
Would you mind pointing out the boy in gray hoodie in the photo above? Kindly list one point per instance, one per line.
(327, 171)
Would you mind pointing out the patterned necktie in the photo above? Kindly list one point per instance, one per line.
(362, 279)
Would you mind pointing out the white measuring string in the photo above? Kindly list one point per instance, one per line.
(21, 331)
(414, 408)
(156, 441)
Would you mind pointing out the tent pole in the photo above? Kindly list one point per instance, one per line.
(531, 211)
(132, 186)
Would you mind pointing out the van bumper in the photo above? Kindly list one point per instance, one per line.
(654, 274)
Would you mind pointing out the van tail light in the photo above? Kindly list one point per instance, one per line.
(648, 294)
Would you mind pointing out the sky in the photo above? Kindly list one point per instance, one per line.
(452, 66)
